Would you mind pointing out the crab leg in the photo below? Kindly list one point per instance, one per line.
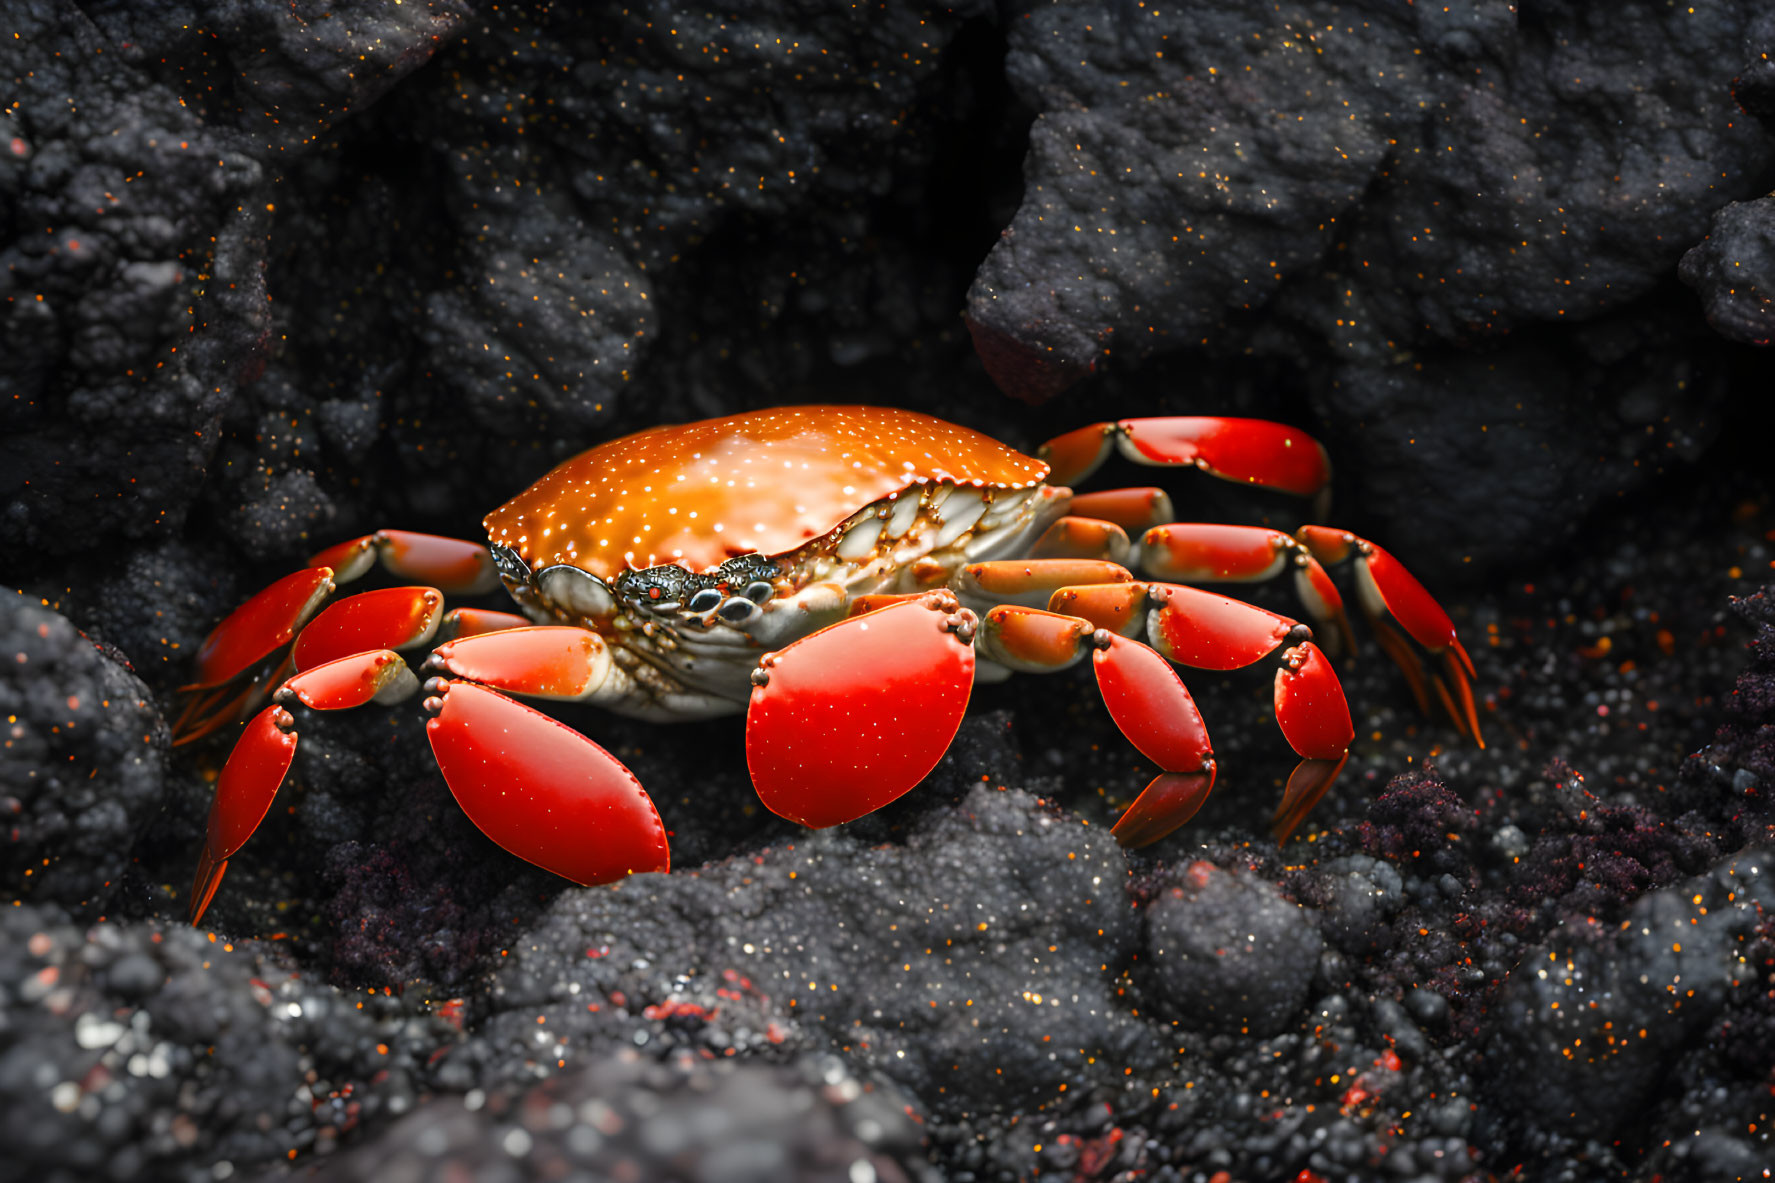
(459, 567)
(1250, 451)
(1315, 719)
(555, 661)
(1030, 582)
(1197, 628)
(250, 633)
(1153, 708)
(540, 789)
(1207, 552)
(392, 618)
(472, 622)
(1145, 697)
(1387, 588)
(1134, 510)
(852, 717)
(260, 761)
(1032, 641)
(1082, 538)
(260, 625)
(1214, 632)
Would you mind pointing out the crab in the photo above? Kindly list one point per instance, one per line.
(843, 575)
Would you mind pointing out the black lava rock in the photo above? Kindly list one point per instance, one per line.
(1226, 953)
(137, 1051)
(82, 764)
(1733, 271)
(279, 272)
(683, 1120)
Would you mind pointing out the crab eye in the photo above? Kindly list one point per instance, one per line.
(705, 600)
(737, 610)
(758, 591)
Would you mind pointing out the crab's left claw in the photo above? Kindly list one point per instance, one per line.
(849, 718)
(1315, 719)
(1387, 588)
(541, 789)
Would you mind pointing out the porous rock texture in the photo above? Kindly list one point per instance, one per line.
(279, 273)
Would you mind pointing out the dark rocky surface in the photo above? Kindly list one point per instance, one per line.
(279, 273)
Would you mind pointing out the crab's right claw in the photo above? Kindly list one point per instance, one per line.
(1154, 710)
(852, 717)
(1315, 719)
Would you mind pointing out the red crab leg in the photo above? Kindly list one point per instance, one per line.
(1204, 552)
(1082, 538)
(260, 625)
(472, 622)
(851, 717)
(1207, 552)
(1153, 708)
(1031, 582)
(460, 567)
(1214, 632)
(392, 618)
(546, 661)
(1031, 640)
(261, 759)
(860, 605)
(1251, 451)
(1077, 454)
(1315, 719)
(1134, 510)
(540, 789)
(1386, 587)
(207, 711)
(1120, 608)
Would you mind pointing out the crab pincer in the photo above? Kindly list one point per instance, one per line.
(852, 717)
(540, 789)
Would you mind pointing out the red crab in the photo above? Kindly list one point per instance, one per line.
(841, 574)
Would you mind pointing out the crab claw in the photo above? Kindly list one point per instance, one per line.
(542, 790)
(852, 717)
(1315, 719)
(1153, 708)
